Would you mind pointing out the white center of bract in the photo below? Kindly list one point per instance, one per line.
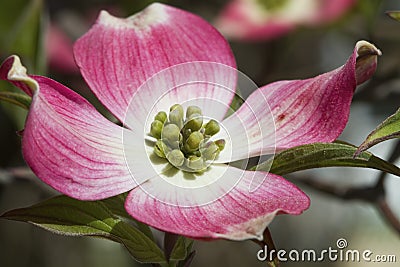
(176, 166)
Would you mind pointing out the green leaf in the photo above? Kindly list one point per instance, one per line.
(117, 206)
(179, 251)
(21, 100)
(188, 261)
(388, 129)
(190, 254)
(236, 103)
(319, 155)
(394, 15)
(67, 216)
(145, 229)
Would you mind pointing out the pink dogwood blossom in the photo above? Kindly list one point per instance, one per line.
(267, 19)
(70, 146)
(59, 51)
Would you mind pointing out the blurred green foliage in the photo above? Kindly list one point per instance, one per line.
(22, 29)
(22, 25)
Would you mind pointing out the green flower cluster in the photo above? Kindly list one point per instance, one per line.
(185, 140)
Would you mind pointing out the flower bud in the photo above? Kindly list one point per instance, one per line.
(193, 141)
(171, 133)
(156, 128)
(176, 118)
(177, 107)
(194, 122)
(176, 157)
(209, 151)
(160, 149)
(161, 116)
(195, 163)
(191, 110)
(221, 144)
(211, 128)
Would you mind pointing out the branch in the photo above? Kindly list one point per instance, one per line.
(393, 157)
(267, 241)
(371, 194)
(388, 215)
(368, 193)
(23, 174)
(7, 175)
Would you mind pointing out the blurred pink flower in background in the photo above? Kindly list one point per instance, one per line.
(268, 19)
(59, 51)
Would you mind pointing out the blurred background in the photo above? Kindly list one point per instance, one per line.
(42, 33)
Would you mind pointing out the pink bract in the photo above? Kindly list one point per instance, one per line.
(73, 148)
(250, 20)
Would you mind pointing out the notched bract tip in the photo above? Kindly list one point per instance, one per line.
(13, 70)
(153, 14)
(365, 48)
(367, 57)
